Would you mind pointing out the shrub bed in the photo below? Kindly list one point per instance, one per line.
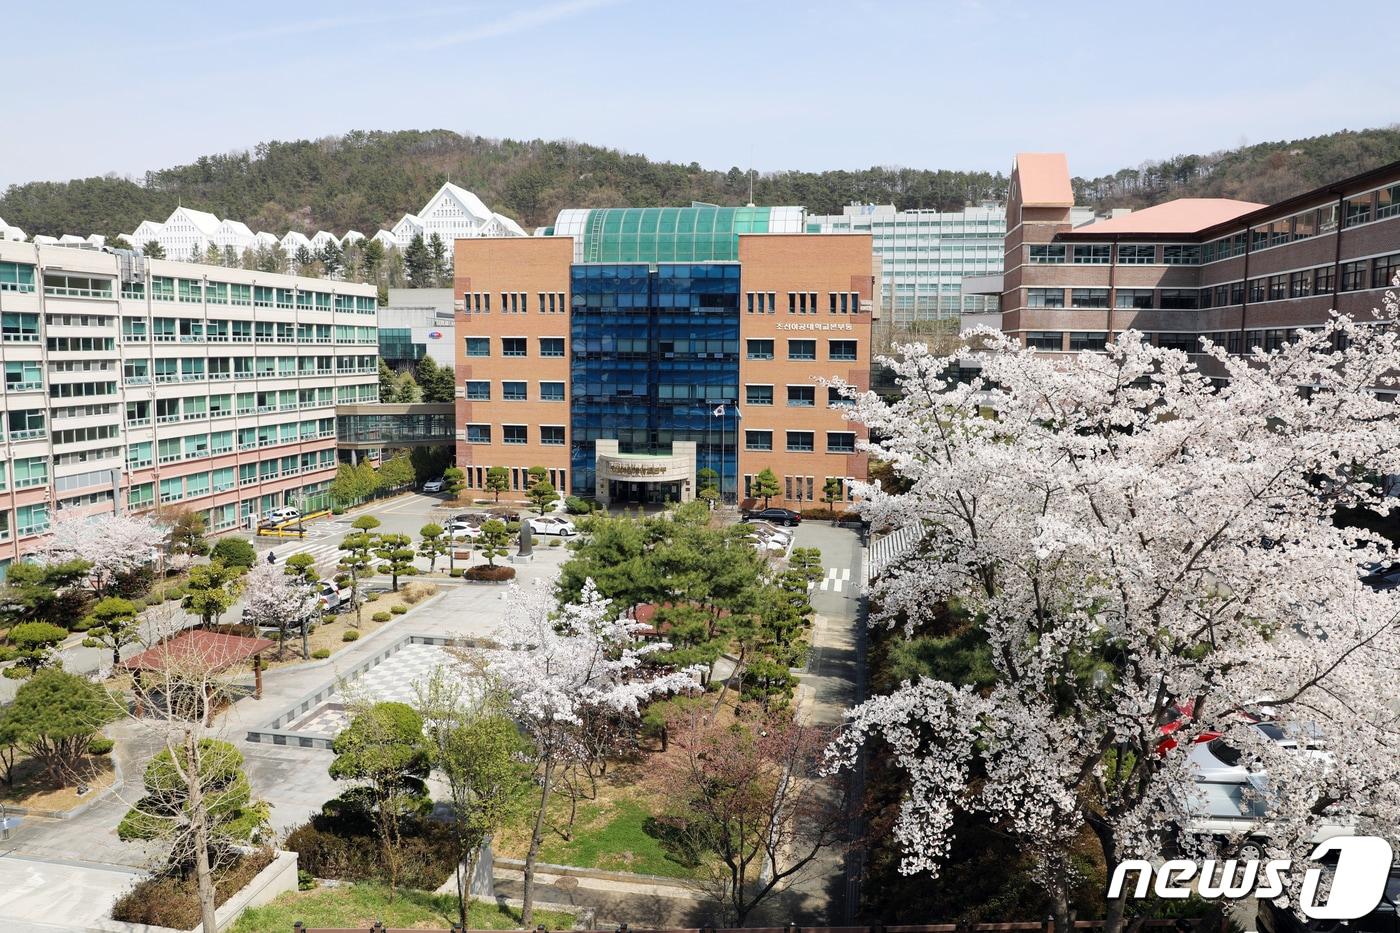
(487, 574)
(417, 592)
(320, 654)
(172, 901)
(399, 610)
(380, 617)
(332, 848)
(350, 634)
(827, 515)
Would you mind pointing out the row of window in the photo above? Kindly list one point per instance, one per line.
(1166, 298)
(1101, 254)
(196, 485)
(804, 302)
(801, 442)
(515, 302)
(164, 288)
(798, 489)
(551, 435)
(199, 330)
(140, 371)
(520, 478)
(798, 396)
(1233, 341)
(194, 446)
(193, 407)
(757, 349)
(479, 390)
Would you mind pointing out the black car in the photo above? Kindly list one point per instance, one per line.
(776, 516)
(1384, 919)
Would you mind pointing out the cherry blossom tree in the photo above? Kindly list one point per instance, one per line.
(1131, 540)
(112, 544)
(277, 599)
(558, 663)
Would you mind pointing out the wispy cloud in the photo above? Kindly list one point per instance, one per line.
(517, 22)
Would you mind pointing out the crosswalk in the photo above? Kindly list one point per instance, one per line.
(326, 554)
(837, 578)
(890, 548)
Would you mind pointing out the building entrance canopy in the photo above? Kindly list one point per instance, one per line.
(645, 477)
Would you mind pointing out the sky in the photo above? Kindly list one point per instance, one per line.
(99, 87)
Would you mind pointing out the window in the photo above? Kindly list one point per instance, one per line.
(802, 396)
(834, 398)
(760, 349)
(23, 377)
(552, 435)
(800, 442)
(513, 346)
(1091, 255)
(16, 278)
(1258, 288)
(32, 519)
(514, 434)
(1236, 293)
(1185, 342)
(18, 327)
(758, 440)
(842, 350)
(1136, 254)
(1178, 299)
(1357, 211)
(1324, 280)
(1045, 298)
(1384, 270)
(1305, 225)
(513, 391)
(1045, 340)
(802, 349)
(840, 442)
(1181, 255)
(1387, 205)
(551, 391)
(26, 424)
(1089, 298)
(1278, 287)
(478, 346)
(478, 434)
(1299, 284)
(551, 346)
(1354, 275)
(1048, 254)
(1087, 341)
(758, 395)
(1139, 298)
(33, 471)
(478, 390)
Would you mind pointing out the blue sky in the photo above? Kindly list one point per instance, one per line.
(97, 87)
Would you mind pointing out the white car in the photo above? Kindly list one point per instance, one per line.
(433, 485)
(285, 514)
(552, 525)
(457, 530)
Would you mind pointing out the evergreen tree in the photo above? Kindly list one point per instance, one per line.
(437, 382)
(213, 256)
(766, 485)
(332, 259)
(419, 264)
(371, 261)
(442, 263)
(303, 260)
(153, 250)
(230, 258)
(497, 480)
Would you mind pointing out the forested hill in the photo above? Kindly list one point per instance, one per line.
(367, 180)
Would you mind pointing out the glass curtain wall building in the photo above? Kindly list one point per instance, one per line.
(699, 233)
(655, 351)
(925, 254)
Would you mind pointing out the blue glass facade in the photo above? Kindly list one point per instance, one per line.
(655, 349)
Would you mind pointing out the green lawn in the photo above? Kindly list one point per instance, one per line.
(616, 836)
(359, 905)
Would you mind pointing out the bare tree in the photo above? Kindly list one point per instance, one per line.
(751, 799)
(198, 803)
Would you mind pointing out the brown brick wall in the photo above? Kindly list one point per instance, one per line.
(803, 263)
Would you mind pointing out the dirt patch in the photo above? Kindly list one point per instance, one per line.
(33, 790)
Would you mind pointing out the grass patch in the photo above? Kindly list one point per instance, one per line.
(359, 905)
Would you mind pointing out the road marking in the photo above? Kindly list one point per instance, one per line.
(836, 578)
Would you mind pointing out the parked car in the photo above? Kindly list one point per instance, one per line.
(552, 525)
(1380, 576)
(433, 485)
(776, 516)
(333, 597)
(281, 515)
(1385, 918)
(457, 530)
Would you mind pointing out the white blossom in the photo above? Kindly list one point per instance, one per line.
(1128, 535)
(112, 544)
(276, 599)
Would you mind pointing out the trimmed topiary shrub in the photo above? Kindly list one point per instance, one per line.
(349, 634)
(320, 654)
(488, 574)
(455, 572)
(234, 552)
(556, 542)
(100, 745)
(399, 610)
(380, 617)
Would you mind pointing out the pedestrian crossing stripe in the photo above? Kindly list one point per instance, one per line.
(836, 579)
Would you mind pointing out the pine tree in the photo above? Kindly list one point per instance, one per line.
(442, 263)
(153, 250)
(418, 263)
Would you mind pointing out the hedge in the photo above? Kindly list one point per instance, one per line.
(488, 574)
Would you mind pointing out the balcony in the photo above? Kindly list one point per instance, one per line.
(19, 337)
(138, 464)
(59, 291)
(138, 422)
(167, 419)
(24, 386)
(29, 434)
(136, 381)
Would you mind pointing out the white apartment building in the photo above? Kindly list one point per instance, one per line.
(134, 384)
(924, 255)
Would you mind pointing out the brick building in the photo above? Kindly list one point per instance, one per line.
(643, 346)
(1239, 273)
